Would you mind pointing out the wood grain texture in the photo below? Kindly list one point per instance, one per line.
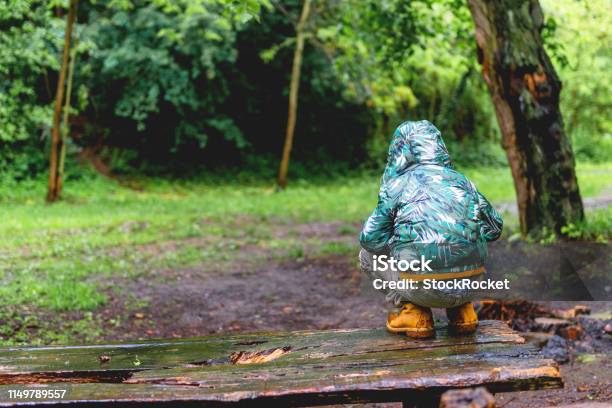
(296, 368)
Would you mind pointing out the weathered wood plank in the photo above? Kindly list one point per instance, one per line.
(284, 369)
(213, 350)
(321, 382)
(459, 366)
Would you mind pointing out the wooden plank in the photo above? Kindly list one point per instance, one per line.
(218, 349)
(458, 366)
(388, 376)
(298, 368)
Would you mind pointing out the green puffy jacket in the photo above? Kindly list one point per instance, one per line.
(425, 208)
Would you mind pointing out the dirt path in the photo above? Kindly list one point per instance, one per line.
(290, 295)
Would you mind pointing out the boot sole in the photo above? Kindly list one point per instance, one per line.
(414, 332)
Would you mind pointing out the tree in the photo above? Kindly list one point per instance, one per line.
(65, 127)
(55, 182)
(525, 91)
(293, 94)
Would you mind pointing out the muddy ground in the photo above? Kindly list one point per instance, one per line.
(259, 290)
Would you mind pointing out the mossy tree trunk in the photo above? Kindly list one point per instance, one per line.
(525, 90)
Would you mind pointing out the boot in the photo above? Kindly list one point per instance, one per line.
(414, 320)
(462, 319)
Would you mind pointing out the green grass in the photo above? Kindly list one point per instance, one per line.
(496, 183)
(106, 212)
(22, 326)
(596, 227)
(57, 257)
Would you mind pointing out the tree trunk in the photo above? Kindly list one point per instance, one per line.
(525, 90)
(56, 142)
(293, 94)
(65, 126)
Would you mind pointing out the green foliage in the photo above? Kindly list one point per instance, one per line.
(368, 41)
(154, 73)
(414, 60)
(175, 89)
(177, 85)
(583, 34)
(27, 47)
(596, 227)
(148, 74)
(331, 130)
(29, 41)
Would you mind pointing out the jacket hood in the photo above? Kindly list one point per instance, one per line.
(415, 143)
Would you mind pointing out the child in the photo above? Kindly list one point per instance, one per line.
(427, 210)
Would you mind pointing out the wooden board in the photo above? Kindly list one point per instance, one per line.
(296, 368)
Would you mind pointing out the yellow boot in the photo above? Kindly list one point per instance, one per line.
(414, 320)
(462, 319)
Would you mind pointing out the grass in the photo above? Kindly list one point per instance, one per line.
(56, 257)
(496, 183)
